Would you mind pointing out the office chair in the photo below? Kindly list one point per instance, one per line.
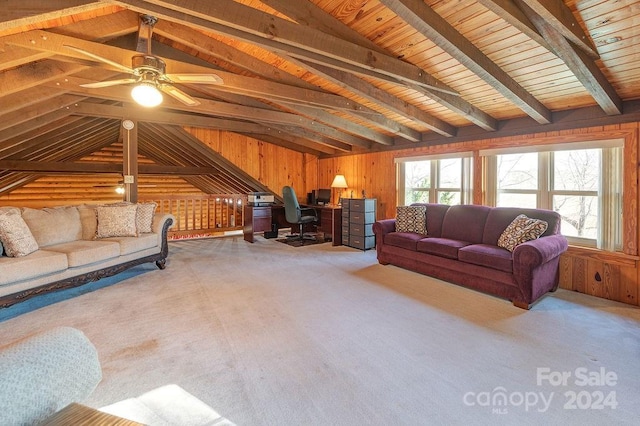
(294, 214)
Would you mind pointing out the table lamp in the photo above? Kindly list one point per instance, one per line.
(341, 183)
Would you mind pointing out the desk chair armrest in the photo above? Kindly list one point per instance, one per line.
(309, 211)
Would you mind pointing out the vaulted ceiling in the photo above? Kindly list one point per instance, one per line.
(326, 77)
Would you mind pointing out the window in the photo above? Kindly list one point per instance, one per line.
(434, 179)
(582, 182)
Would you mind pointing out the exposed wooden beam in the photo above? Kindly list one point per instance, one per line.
(583, 66)
(32, 75)
(248, 24)
(200, 42)
(34, 111)
(220, 109)
(55, 167)
(309, 14)
(559, 16)
(55, 44)
(509, 11)
(309, 133)
(293, 143)
(20, 13)
(242, 181)
(164, 117)
(424, 19)
(386, 100)
(37, 123)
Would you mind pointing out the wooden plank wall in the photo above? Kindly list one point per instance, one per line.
(603, 274)
(272, 165)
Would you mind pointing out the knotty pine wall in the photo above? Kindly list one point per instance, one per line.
(272, 165)
(604, 274)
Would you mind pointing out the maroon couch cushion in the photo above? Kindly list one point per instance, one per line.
(406, 240)
(487, 255)
(435, 216)
(465, 223)
(441, 247)
(500, 217)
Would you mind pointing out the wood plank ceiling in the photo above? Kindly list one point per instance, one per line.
(325, 77)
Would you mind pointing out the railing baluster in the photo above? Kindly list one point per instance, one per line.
(198, 216)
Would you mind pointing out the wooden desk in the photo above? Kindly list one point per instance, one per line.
(81, 415)
(330, 223)
(256, 219)
(260, 219)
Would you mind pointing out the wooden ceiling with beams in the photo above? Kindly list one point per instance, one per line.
(325, 77)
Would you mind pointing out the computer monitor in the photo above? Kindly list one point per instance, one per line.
(324, 196)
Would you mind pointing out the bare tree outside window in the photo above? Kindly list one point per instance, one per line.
(573, 186)
(576, 181)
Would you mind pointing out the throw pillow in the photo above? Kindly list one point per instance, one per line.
(144, 217)
(411, 219)
(116, 221)
(15, 235)
(520, 230)
(89, 221)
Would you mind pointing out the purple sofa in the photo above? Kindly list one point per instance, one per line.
(461, 247)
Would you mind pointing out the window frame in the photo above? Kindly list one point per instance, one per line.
(612, 159)
(466, 178)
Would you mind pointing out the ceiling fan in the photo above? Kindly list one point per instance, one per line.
(149, 72)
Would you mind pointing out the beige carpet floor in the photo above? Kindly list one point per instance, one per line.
(268, 334)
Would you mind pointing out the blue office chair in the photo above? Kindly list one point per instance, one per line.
(296, 215)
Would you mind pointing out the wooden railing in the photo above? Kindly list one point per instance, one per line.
(201, 216)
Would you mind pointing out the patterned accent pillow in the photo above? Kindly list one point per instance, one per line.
(116, 221)
(520, 230)
(144, 217)
(411, 219)
(15, 235)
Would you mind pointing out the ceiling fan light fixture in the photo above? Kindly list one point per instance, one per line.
(146, 94)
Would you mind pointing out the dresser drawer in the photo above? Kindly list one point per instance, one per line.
(361, 217)
(362, 205)
(362, 243)
(261, 211)
(361, 229)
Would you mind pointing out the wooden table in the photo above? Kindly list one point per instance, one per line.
(81, 415)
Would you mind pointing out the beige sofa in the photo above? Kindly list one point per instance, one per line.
(55, 248)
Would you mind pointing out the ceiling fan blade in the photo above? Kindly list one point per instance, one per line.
(108, 83)
(179, 95)
(195, 78)
(121, 67)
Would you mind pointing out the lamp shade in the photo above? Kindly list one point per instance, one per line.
(339, 182)
(146, 94)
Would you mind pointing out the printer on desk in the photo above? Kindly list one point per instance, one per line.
(260, 199)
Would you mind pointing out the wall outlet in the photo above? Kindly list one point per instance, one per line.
(128, 178)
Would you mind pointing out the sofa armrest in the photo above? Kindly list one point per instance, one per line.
(537, 252)
(43, 373)
(159, 220)
(384, 226)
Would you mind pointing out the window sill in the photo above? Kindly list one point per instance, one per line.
(603, 255)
